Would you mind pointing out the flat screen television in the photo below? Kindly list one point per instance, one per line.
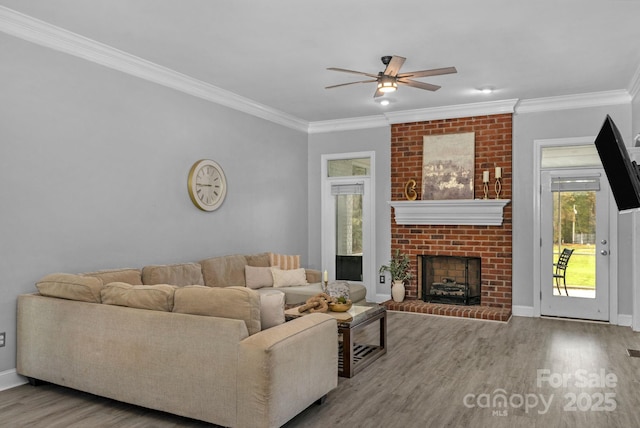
(622, 173)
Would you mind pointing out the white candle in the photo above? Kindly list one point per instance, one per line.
(498, 172)
(485, 176)
(326, 276)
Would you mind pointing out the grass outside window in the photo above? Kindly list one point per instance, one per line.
(581, 270)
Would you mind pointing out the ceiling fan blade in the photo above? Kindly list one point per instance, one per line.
(425, 73)
(393, 68)
(350, 83)
(419, 85)
(344, 70)
(378, 93)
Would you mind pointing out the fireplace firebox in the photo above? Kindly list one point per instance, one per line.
(450, 279)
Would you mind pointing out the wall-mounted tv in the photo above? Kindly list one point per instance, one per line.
(622, 173)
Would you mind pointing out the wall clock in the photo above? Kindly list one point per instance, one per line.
(207, 185)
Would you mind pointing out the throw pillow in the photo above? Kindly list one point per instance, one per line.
(157, 297)
(288, 278)
(284, 261)
(271, 307)
(258, 277)
(71, 287)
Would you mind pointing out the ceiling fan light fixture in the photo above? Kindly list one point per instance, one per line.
(387, 84)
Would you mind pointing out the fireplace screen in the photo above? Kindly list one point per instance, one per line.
(450, 279)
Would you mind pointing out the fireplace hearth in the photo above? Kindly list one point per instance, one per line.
(449, 279)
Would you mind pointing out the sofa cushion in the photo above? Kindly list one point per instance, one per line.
(271, 307)
(70, 286)
(260, 260)
(300, 294)
(176, 274)
(288, 278)
(313, 275)
(157, 297)
(224, 271)
(283, 261)
(229, 302)
(258, 277)
(129, 276)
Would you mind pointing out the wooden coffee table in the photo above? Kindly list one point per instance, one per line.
(353, 357)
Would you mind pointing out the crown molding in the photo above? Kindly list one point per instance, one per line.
(349, 124)
(453, 112)
(418, 115)
(566, 102)
(42, 33)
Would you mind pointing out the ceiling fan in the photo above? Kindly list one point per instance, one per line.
(389, 79)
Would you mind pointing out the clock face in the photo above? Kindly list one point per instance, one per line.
(207, 185)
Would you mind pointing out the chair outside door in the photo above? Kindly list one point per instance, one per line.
(561, 269)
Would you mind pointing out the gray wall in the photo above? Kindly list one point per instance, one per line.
(94, 164)
(635, 108)
(550, 125)
(374, 139)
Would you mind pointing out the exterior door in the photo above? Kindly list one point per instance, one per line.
(347, 219)
(575, 218)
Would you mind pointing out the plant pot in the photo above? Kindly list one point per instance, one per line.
(397, 291)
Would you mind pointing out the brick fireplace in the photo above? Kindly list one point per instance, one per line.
(492, 244)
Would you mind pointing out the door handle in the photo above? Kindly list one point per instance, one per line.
(604, 252)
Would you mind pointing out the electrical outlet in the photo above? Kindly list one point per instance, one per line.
(3, 335)
(382, 279)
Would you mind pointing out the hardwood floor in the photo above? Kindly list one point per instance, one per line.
(438, 372)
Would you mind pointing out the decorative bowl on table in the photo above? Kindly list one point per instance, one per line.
(340, 307)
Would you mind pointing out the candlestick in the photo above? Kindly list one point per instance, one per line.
(498, 187)
(485, 188)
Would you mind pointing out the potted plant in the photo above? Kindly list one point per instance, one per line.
(400, 270)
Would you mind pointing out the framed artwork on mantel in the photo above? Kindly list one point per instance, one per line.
(448, 166)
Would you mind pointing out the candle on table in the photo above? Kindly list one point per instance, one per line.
(485, 176)
(498, 172)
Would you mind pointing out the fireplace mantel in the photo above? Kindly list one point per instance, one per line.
(477, 212)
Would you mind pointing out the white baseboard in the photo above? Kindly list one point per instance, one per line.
(527, 311)
(522, 311)
(625, 320)
(10, 379)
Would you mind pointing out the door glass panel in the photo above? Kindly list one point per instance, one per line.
(349, 237)
(348, 167)
(574, 233)
(570, 156)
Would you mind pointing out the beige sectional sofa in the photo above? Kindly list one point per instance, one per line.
(189, 339)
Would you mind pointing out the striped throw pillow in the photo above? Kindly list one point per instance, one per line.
(285, 262)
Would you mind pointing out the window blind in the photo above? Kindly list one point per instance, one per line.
(347, 189)
(575, 184)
